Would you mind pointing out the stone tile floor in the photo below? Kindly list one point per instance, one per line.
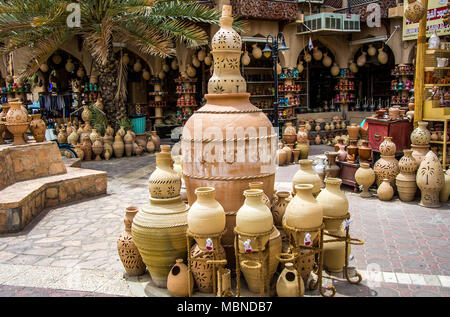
(71, 250)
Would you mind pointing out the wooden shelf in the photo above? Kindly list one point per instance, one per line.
(261, 96)
(432, 69)
(432, 52)
(436, 85)
(439, 142)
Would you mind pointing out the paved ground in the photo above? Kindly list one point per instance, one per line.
(71, 250)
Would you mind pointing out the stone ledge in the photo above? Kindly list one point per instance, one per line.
(22, 201)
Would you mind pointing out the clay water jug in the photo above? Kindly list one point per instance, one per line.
(62, 136)
(304, 150)
(365, 177)
(445, 191)
(364, 152)
(118, 146)
(421, 135)
(406, 179)
(419, 152)
(73, 138)
(289, 284)
(86, 115)
(177, 281)
(289, 154)
(282, 156)
(334, 203)
(430, 180)
(302, 134)
(307, 175)
(385, 191)
(206, 215)
(128, 252)
(121, 131)
(353, 131)
(128, 140)
(94, 135)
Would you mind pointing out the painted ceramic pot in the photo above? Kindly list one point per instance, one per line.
(118, 146)
(353, 131)
(128, 252)
(302, 134)
(206, 215)
(178, 280)
(331, 170)
(303, 212)
(445, 191)
(289, 133)
(202, 271)
(406, 179)
(260, 185)
(364, 152)
(386, 167)
(307, 175)
(430, 180)
(421, 135)
(387, 147)
(385, 191)
(334, 203)
(289, 284)
(279, 207)
(419, 152)
(365, 177)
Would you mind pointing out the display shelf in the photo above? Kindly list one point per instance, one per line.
(260, 82)
(261, 96)
(436, 85)
(445, 142)
(434, 68)
(432, 52)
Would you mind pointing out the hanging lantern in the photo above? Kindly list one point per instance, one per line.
(279, 69)
(146, 75)
(174, 64)
(195, 61)
(69, 66)
(201, 55)
(125, 59)
(335, 69)
(137, 67)
(382, 56)
(165, 67)
(361, 61)
(300, 67)
(414, 11)
(162, 75)
(317, 54)
(256, 52)
(353, 68)
(191, 72)
(307, 57)
(44, 67)
(245, 59)
(80, 72)
(327, 61)
(56, 59)
(372, 50)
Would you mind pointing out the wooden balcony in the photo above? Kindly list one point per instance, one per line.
(266, 9)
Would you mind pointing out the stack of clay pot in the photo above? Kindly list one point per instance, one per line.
(352, 149)
(228, 108)
(289, 138)
(206, 217)
(302, 145)
(17, 121)
(159, 228)
(420, 141)
(387, 166)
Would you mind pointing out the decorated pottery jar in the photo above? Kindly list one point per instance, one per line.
(406, 179)
(38, 127)
(421, 135)
(386, 168)
(414, 11)
(17, 121)
(289, 134)
(430, 180)
(279, 207)
(387, 147)
(164, 181)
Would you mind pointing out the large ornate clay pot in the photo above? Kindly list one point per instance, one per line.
(419, 152)
(331, 170)
(307, 175)
(445, 191)
(206, 215)
(364, 152)
(421, 135)
(17, 121)
(37, 128)
(128, 252)
(177, 281)
(86, 115)
(430, 180)
(414, 10)
(118, 146)
(260, 185)
(202, 271)
(87, 148)
(385, 191)
(353, 131)
(387, 147)
(279, 207)
(334, 203)
(254, 217)
(302, 134)
(289, 284)
(97, 149)
(289, 133)
(159, 229)
(304, 150)
(365, 177)
(303, 212)
(406, 179)
(156, 140)
(386, 167)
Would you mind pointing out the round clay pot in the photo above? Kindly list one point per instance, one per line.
(289, 284)
(307, 175)
(304, 150)
(282, 156)
(279, 207)
(62, 136)
(331, 170)
(445, 191)
(419, 152)
(430, 180)
(353, 131)
(86, 115)
(385, 191)
(97, 149)
(206, 215)
(302, 134)
(118, 146)
(73, 138)
(387, 147)
(38, 127)
(386, 167)
(289, 133)
(421, 135)
(414, 10)
(177, 281)
(365, 177)
(128, 252)
(202, 271)
(150, 146)
(260, 185)
(94, 135)
(334, 203)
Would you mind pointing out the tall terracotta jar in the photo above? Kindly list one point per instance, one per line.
(430, 180)
(289, 284)
(365, 177)
(364, 152)
(260, 185)
(128, 252)
(406, 179)
(353, 131)
(334, 203)
(352, 151)
(331, 170)
(97, 149)
(279, 207)
(229, 113)
(17, 121)
(307, 175)
(121, 131)
(254, 217)
(342, 153)
(202, 271)
(303, 212)
(37, 128)
(419, 152)
(177, 281)
(281, 156)
(87, 148)
(302, 134)
(206, 215)
(445, 191)
(118, 146)
(159, 228)
(289, 154)
(128, 140)
(385, 191)
(421, 135)
(289, 133)
(304, 150)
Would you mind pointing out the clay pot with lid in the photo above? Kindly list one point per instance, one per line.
(365, 177)
(385, 191)
(289, 133)
(307, 175)
(430, 180)
(206, 215)
(289, 284)
(38, 127)
(334, 203)
(128, 252)
(177, 280)
(17, 121)
(421, 135)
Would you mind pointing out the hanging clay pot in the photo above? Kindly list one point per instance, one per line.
(128, 252)
(256, 51)
(334, 203)
(174, 64)
(414, 11)
(191, 72)
(317, 53)
(137, 67)
(206, 216)
(208, 59)
(430, 180)
(44, 68)
(445, 191)
(118, 146)
(201, 55)
(245, 59)
(177, 281)
(335, 69)
(38, 127)
(406, 179)
(327, 61)
(307, 58)
(300, 67)
(382, 56)
(361, 61)
(166, 68)
(385, 191)
(307, 175)
(69, 66)
(80, 72)
(162, 75)
(195, 62)
(146, 75)
(421, 135)
(352, 66)
(289, 284)
(371, 50)
(279, 207)
(365, 177)
(202, 271)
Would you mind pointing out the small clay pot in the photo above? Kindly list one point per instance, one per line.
(177, 281)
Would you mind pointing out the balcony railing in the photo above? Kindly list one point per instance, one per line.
(266, 9)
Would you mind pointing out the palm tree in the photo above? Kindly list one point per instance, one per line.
(152, 26)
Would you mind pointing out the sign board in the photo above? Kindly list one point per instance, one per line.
(436, 9)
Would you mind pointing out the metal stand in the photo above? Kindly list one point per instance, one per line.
(263, 259)
(348, 240)
(216, 262)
